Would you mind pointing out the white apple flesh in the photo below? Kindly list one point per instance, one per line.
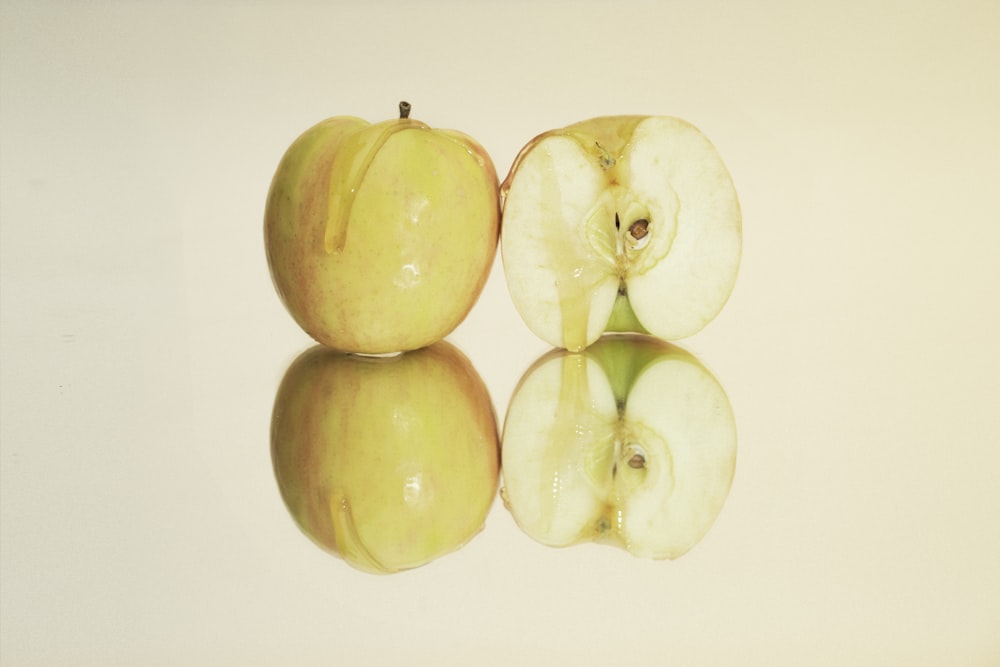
(631, 443)
(623, 223)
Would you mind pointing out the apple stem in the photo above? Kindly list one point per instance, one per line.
(404, 109)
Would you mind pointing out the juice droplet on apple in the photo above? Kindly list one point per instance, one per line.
(574, 224)
(573, 414)
(580, 428)
(580, 280)
(348, 171)
(347, 541)
(574, 397)
(574, 307)
(505, 497)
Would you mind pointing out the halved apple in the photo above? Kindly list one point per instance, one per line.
(620, 223)
(631, 443)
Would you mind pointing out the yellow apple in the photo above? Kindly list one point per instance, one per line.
(380, 237)
(387, 462)
(619, 223)
(631, 443)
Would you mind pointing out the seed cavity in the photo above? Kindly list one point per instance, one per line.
(637, 461)
(636, 456)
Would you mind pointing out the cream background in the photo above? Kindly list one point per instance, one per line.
(142, 341)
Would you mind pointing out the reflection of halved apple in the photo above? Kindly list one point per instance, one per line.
(631, 443)
(388, 462)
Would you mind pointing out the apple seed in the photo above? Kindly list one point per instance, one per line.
(639, 229)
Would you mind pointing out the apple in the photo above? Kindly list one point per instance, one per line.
(380, 237)
(620, 224)
(388, 462)
(631, 443)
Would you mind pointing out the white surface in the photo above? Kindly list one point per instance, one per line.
(142, 341)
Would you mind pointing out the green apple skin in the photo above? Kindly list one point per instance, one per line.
(631, 443)
(380, 237)
(619, 224)
(388, 462)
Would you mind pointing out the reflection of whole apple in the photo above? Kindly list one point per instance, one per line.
(623, 223)
(631, 443)
(388, 462)
(380, 237)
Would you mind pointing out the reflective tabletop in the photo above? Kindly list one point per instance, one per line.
(848, 513)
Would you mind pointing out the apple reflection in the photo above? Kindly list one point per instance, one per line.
(631, 442)
(387, 462)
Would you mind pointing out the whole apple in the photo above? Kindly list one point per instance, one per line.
(630, 443)
(387, 462)
(380, 237)
(619, 223)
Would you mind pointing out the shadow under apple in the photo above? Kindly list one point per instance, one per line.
(631, 442)
(387, 462)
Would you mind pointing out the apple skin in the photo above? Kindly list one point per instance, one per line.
(387, 462)
(631, 443)
(380, 237)
(619, 224)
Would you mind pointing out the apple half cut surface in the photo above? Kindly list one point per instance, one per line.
(630, 443)
(619, 223)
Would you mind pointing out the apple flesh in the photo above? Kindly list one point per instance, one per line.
(380, 237)
(387, 462)
(619, 223)
(630, 443)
